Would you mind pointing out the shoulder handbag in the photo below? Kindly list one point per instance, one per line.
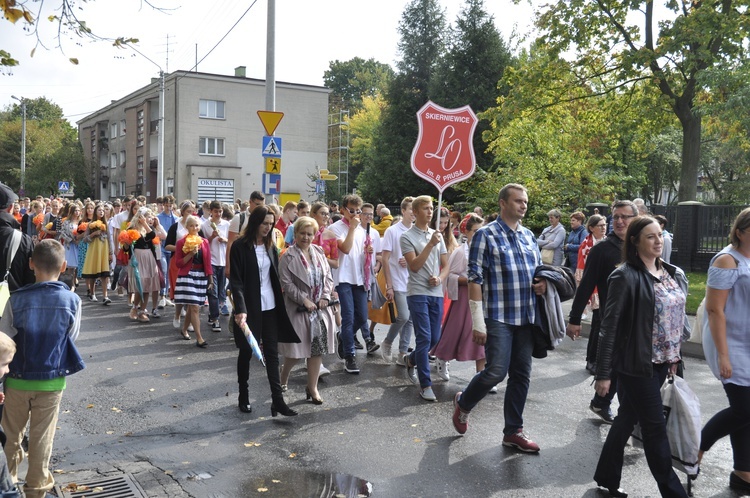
(15, 243)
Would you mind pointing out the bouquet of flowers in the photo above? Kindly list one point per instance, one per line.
(38, 220)
(127, 237)
(97, 225)
(192, 242)
(48, 226)
(156, 241)
(82, 227)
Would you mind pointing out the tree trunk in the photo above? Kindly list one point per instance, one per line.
(691, 152)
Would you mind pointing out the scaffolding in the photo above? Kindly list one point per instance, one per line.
(338, 151)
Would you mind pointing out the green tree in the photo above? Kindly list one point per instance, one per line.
(353, 80)
(389, 178)
(53, 152)
(725, 162)
(469, 72)
(670, 54)
(568, 148)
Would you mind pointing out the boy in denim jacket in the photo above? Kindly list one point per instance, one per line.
(44, 319)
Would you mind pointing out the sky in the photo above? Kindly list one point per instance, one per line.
(309, 35)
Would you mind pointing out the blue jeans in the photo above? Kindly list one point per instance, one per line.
(508, 352)
(640, 401)
(218, 295)
(426, 313)
(403, 324)
(164, 262)
(353, 300)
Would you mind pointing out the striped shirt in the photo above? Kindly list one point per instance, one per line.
(503, 261)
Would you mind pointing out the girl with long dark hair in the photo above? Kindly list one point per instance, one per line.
(258, 302)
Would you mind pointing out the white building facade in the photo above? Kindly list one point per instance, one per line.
(213, 139)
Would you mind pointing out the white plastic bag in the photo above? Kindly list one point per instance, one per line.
(683, 412)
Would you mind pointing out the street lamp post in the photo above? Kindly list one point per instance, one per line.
(23, 144)
(160, 146)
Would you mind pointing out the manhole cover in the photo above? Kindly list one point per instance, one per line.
(123, 486)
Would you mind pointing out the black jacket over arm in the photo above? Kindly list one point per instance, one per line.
(244, 280)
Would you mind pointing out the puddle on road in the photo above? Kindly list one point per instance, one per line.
(308, 484)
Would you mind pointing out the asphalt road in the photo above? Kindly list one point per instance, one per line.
(154, 406)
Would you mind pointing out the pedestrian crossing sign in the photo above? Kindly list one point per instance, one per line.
(63, 186)
(271, 146)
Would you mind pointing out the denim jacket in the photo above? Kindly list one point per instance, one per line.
(46, 316)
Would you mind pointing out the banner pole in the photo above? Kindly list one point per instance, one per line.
(437, 229)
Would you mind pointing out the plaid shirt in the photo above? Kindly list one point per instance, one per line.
(503, 261)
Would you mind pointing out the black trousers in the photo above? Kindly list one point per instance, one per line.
(266, 337)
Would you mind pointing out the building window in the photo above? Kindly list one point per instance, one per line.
(140, 129)
(139, 161)
(122, 189)
(122, 128)
(212, 109)
(113, 189)
(113, 160)
(122, 158)
(113, 130)
(211, 146)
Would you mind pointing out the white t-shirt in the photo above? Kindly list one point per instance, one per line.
(120, 218)
(267, 299)
(351, 266)
(392, 243)
(234, 224)
(218, 249)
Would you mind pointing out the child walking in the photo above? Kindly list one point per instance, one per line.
(44, 319)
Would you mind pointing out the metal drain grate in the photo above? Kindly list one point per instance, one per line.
(123, 486)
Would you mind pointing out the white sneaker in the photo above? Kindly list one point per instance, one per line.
(162, 303)
(385, 351)
(442, 369)
(427, 394)
(167, 302)
(323, 371)
(176, 323)
(190, 328)
(493, 390)
(400, 359)
(93, 298)
(183, 312)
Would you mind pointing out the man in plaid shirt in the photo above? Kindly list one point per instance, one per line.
(502, 295)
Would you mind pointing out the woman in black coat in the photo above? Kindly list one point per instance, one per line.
(256, 292)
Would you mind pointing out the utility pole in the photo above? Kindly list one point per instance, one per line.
(22, 100)
(160, 152)
(271, 57)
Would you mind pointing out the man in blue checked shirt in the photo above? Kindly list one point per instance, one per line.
(502, 295)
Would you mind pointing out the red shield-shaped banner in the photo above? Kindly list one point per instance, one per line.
(444, 153)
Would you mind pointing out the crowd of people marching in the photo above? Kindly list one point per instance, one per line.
(300, 281)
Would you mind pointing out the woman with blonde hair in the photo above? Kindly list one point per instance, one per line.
(143, 250)
(726, 343)
(307, 282)
(192, 256)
